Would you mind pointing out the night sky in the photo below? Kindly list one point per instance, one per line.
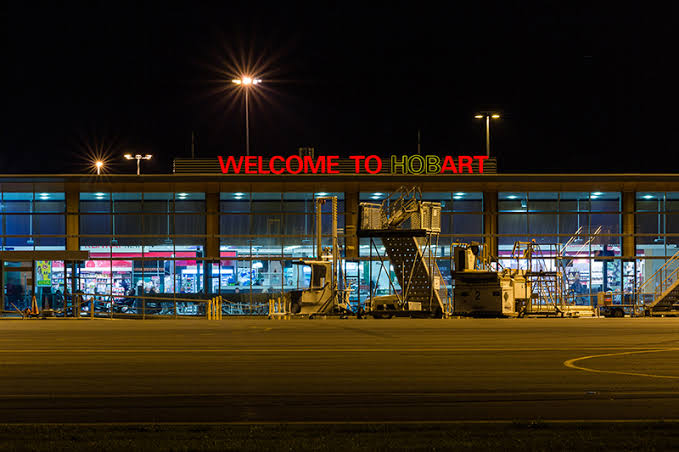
(580, 90)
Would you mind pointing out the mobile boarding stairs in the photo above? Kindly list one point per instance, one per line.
(659, 294)
(409, 229)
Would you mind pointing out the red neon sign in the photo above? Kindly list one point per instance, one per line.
(362, 164)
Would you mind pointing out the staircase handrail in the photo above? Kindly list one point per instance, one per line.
(657, 272)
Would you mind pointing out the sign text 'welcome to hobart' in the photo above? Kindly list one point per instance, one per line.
(355, 164)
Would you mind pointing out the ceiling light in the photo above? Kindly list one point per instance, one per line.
(597, 193)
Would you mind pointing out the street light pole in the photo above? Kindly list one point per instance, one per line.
(246, 82)
(488, 136)
(138, 158)
(247, 121)
(487, 117)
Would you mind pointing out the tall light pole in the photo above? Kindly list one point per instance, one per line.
(138, 158)
(488, 116)
(246, 83)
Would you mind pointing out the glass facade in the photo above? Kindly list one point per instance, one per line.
(246, 245)
(576, 233)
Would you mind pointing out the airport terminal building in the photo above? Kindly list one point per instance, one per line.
(235, 227)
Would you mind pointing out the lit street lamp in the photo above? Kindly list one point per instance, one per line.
(246, 82)
(98, 164)
(138, 158)
(488, 116)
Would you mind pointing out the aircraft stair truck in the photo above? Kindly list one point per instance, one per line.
(409, 230)
(660, 292)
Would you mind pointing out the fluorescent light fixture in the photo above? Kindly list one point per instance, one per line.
(322, 194)
(649, 196)
(597, 193)
(460, 193)
(378, 194)
(100, 194)
(457, 197)
(182, 194)
(512, 197)
(238, 194)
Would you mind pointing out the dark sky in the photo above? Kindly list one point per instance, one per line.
(580, 89)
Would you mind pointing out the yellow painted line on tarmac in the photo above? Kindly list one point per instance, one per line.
(490, 397)
(571, 363)
(311, 350)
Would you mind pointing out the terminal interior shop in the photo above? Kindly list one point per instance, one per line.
(245, 243)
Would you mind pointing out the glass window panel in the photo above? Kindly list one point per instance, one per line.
(512, 224)
(543, 223)
(266, 202)
(128, 224)
(605, 202)
(606, 223)
(235, 224)
(543, 201)
(126, 202)
(301, 224)
(266, 224)
(468, 224)
(375, 196)
(672, 222)
(573, 223)
(95, 224)
(192, 202)
(437, 196)
(298, 202)
(465, 202)
(512, 202)
(49, 224)
(185, 223)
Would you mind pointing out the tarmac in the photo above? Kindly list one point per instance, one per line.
(339, 371)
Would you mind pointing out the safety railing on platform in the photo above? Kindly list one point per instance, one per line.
(89, 305)
(661, 282)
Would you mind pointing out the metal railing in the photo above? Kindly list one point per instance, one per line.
(661, 282)
(93, 305)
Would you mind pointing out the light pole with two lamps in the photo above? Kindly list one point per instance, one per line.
(488, 116)
(138, 158)
(246, 82)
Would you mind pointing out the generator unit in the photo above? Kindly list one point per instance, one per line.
(490, 294)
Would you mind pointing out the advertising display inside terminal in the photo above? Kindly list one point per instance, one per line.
(354, 164)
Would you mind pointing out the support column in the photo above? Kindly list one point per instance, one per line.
(351, 225)
(72, 218)
(211, 238)
(628, 225)
(212, 225)
(490, 231)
